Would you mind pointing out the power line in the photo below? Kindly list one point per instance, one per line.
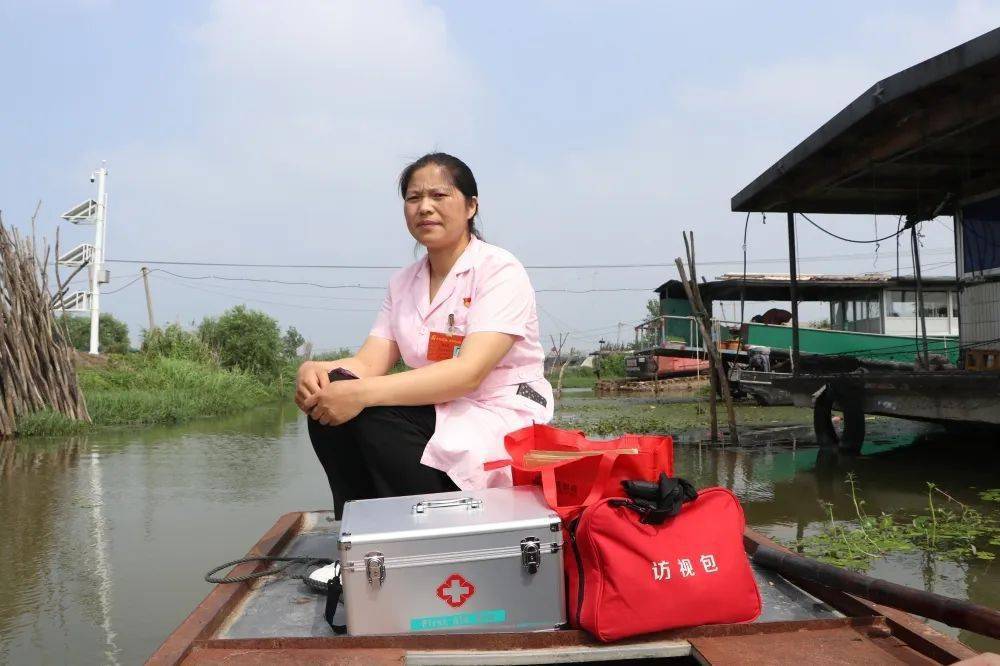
(727, 262)
(851, 240)
(124, 286)
(283, 282)
(591, 291)
(259, 300)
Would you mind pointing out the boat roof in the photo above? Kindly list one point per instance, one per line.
(777, 286)
(915, 143)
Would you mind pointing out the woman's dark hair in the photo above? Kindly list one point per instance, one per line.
(461, 178)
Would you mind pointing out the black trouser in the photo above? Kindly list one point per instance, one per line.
(377, 454)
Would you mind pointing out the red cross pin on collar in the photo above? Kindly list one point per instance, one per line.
(455, 590)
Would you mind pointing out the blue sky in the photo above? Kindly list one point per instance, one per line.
(273, 133)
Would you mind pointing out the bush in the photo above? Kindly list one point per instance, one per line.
(245, 339)
(334, 355)
(610, 365)
(174, 342)
(150, 389)
(112, 334)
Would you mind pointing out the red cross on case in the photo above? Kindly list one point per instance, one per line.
(455, 590)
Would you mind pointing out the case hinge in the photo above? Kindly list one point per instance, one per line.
(375, 569)
(531, 554)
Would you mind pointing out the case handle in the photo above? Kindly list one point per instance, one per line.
(469, 503)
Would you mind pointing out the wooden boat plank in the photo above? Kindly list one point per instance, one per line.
(914, 631)
(203, 656)
(873, 645)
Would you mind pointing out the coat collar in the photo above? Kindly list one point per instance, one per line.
(465, 263)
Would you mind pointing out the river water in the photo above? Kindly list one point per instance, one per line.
(105, 538)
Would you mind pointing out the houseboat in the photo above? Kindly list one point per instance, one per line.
(919, 145)
(871, 317)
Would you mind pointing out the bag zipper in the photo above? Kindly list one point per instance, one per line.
(579, 566)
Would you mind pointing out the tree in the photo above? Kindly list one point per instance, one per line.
(291, 342)
(650, 335)
(653, 308)
(246, 339)
(112, 335)
(174, 342)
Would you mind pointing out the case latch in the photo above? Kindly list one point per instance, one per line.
(531, 554)
(375, 569)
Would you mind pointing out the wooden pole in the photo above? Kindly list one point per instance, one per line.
(915, 244)
(718, 373)
(953, 612)
(793, 287)
(722, 383)
(149, 298)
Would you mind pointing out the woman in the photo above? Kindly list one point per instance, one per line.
(463, 318)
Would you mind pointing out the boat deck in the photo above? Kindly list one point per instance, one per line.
(282, 606)
(280, 620)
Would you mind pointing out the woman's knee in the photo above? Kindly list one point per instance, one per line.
(380, 423)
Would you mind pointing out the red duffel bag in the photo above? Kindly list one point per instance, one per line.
(570, 485)
(627, 577)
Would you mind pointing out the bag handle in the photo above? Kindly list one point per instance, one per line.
(608, 459)
(334, 590)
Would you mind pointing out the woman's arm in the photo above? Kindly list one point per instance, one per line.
(435, 383)
(376, 357)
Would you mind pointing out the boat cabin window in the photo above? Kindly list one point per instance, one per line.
(903, 303)
(901, 312)
(862, 315)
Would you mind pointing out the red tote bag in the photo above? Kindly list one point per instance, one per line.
(625, 577)
(571, 485)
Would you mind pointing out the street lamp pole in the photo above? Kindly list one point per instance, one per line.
(97, 263)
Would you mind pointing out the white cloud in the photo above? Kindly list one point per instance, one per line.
(304, 112)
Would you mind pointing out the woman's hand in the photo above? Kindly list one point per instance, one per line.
(311, 379)
(337, 403)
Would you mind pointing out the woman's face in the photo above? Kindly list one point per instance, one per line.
(436, 212)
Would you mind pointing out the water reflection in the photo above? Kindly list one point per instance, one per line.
(106, 537)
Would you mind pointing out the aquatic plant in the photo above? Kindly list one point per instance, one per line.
(953, 531)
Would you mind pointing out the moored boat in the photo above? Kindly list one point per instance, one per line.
(280, 620)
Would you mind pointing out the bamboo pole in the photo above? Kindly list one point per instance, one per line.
(716, 369)
(36, 364)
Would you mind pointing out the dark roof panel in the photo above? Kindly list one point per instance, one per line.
(810, 288)
(927, 135)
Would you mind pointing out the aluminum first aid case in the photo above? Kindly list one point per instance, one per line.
(479, 561)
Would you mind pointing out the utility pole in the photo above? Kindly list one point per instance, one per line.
(96, 268)
(149, 298)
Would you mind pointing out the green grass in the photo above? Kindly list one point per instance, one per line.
(49, 423)
(620, 415)
(139, 389)
(574, 378)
